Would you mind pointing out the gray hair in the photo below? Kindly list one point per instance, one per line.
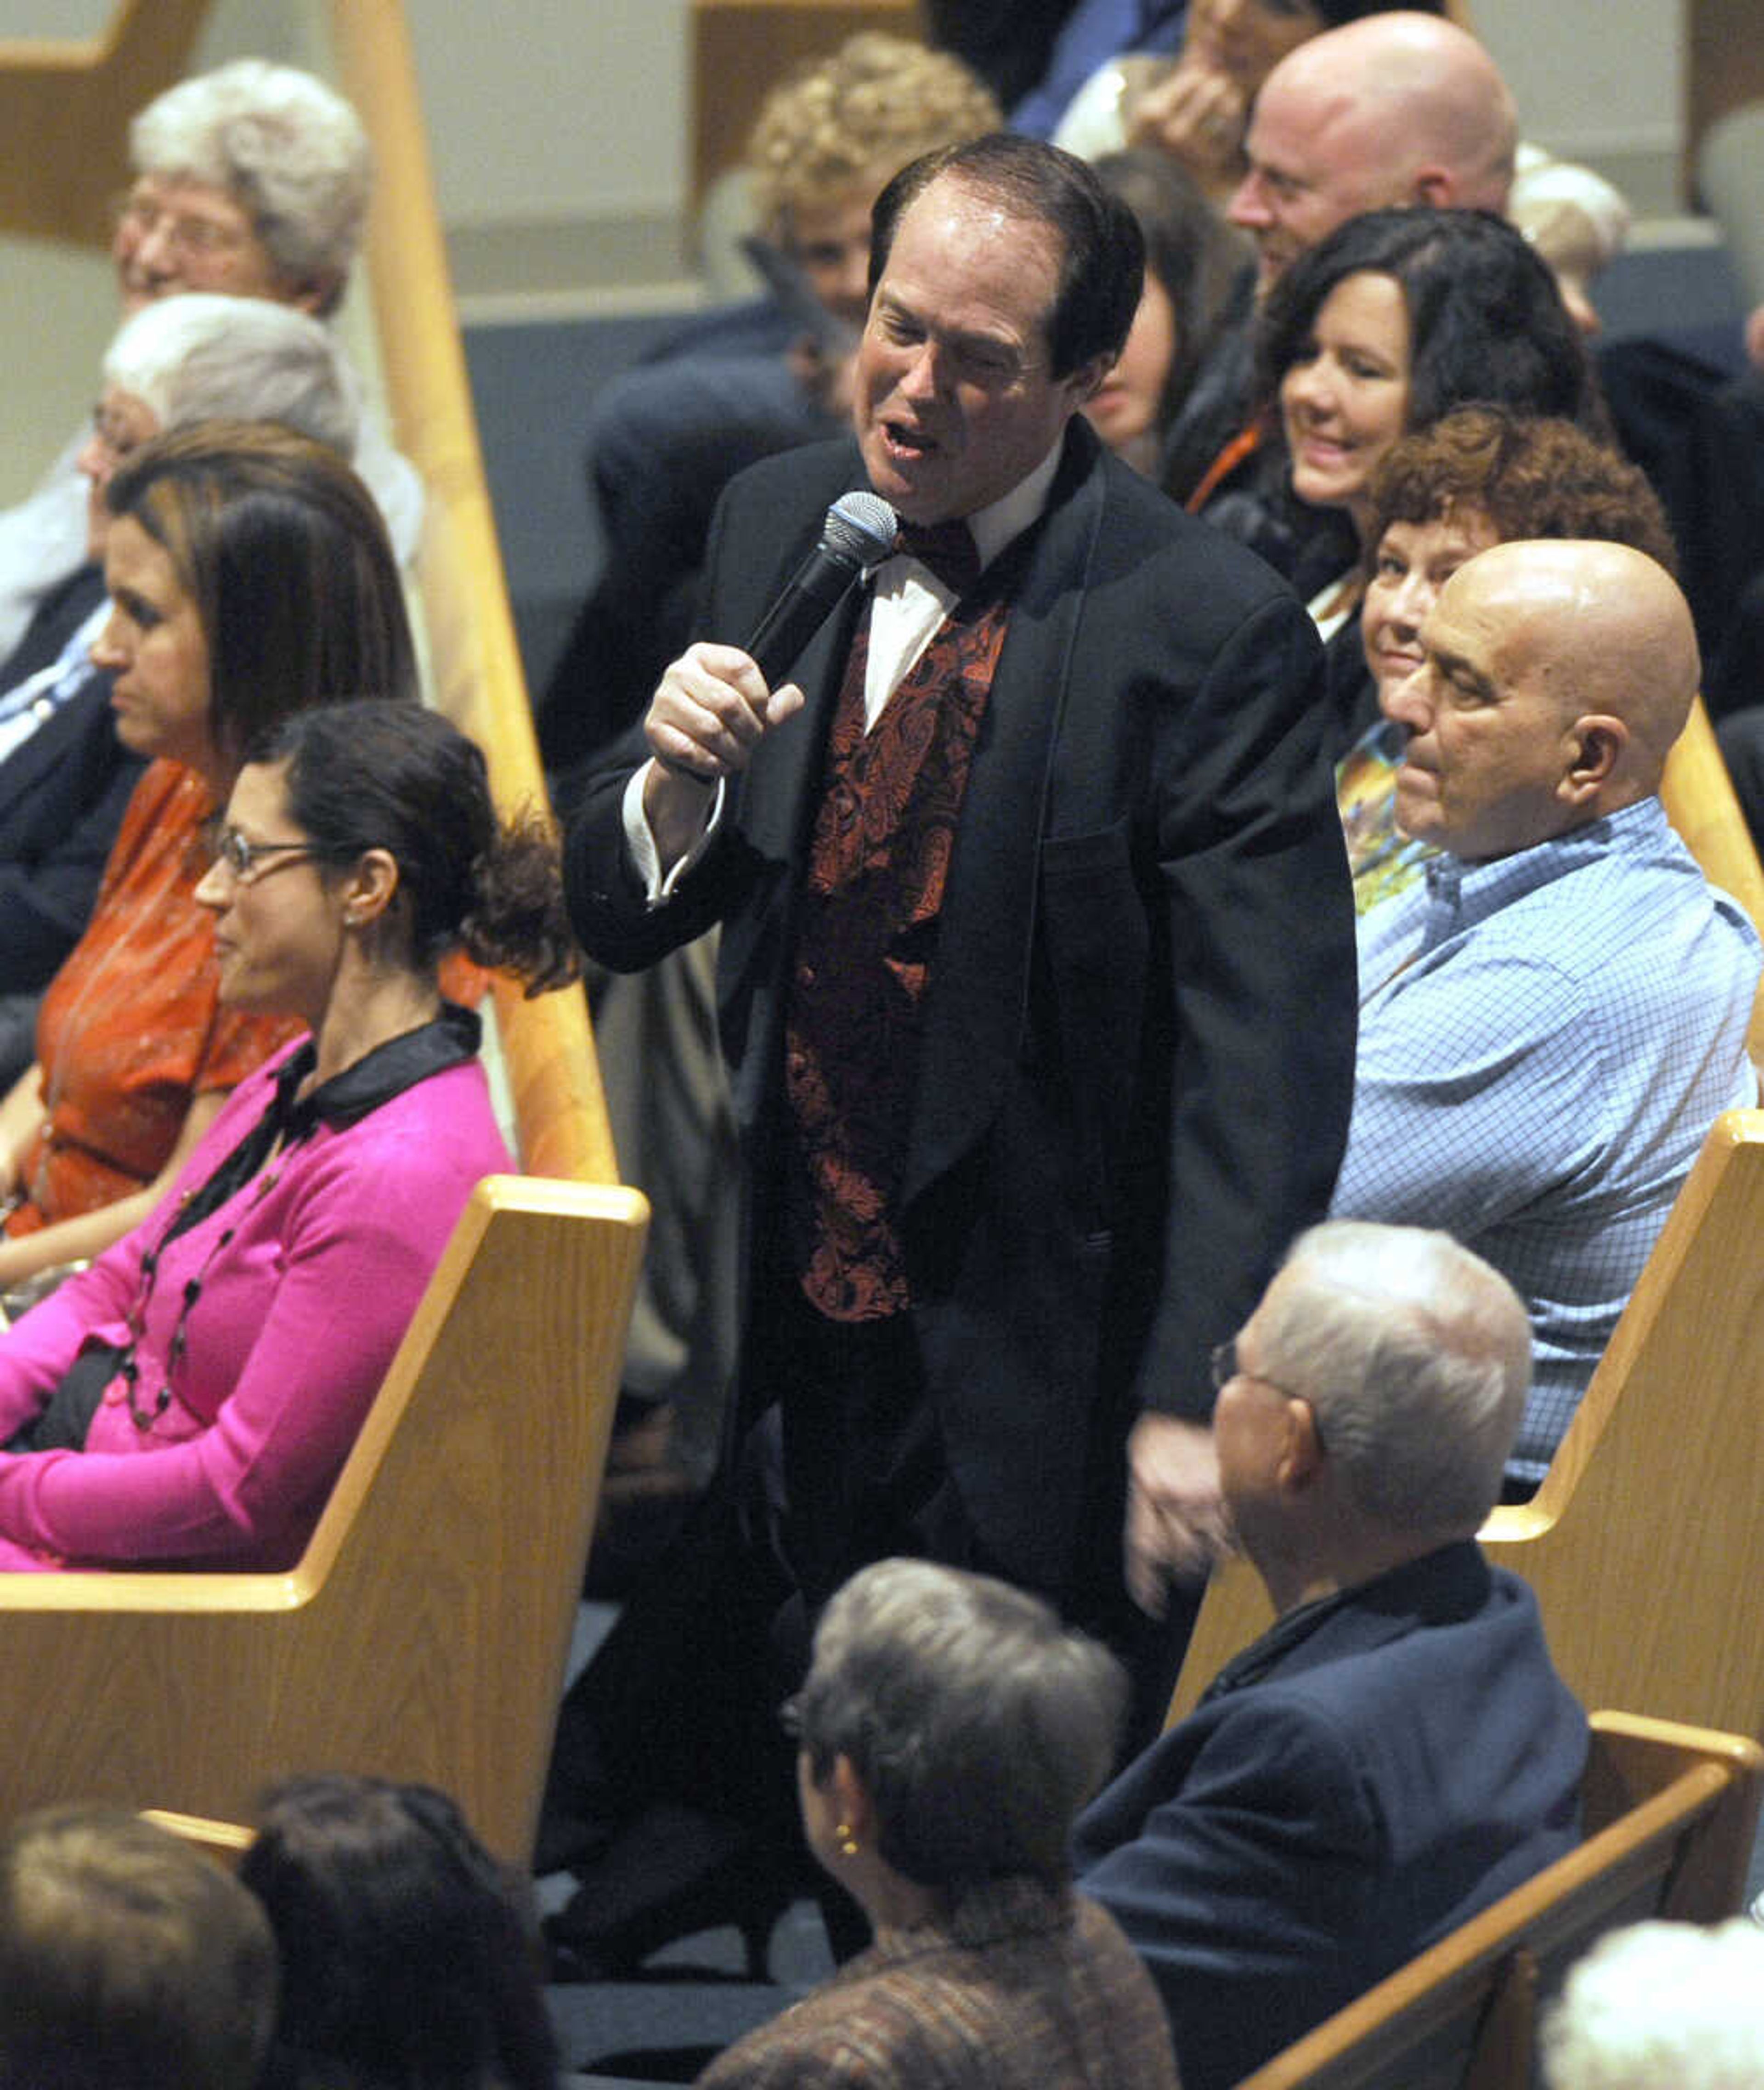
(1659, 2003)
(1415, 1357)
(201, 357)
(978, 1723)
(288, 148)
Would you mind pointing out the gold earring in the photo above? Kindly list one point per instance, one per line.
(847, 1843)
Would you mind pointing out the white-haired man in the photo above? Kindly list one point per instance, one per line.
(1396, 1751)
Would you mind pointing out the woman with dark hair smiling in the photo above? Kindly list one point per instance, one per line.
(1394, 319)
(192, 1396)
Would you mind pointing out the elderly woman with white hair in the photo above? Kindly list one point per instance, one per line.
(950, 1728)
(64, 776)
(252, 180)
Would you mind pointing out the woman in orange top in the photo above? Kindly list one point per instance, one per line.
(250, 576)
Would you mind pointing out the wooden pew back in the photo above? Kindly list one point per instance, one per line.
(424, 1633)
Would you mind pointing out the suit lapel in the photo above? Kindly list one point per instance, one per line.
(775, 810)
(39, 761)
(979, 996)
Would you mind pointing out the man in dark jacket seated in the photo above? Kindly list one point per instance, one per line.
(1396, 1752)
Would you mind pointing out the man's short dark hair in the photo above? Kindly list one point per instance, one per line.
(1102, 255)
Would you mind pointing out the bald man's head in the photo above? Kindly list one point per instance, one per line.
(1393, 109)
(1556, 677)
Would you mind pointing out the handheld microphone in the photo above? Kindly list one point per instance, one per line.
(857, 535)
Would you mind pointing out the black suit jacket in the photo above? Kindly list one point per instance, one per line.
(1383, 1767)
(1137, 1058)
(63, 794)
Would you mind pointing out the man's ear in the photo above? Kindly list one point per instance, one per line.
(1301, 1461)
(1435, 186)
(1596, 742)
(1086, 380)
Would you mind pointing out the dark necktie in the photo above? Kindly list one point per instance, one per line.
(947, 548)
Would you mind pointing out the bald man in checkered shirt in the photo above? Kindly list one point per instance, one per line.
(1551, 1023)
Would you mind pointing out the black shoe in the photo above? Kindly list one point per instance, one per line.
(671, 1872)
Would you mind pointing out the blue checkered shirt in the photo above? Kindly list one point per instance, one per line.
(1544, 1042)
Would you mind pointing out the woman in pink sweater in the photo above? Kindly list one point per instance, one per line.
(191, 1397)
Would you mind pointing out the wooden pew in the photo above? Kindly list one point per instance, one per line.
(1670, 1814)
(1699, 799)
(1645, 1543)
(475, 664)
(424, 1633)
(226, 1842)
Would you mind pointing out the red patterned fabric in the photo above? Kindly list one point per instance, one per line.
(890, 801)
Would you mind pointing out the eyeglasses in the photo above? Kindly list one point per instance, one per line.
(117, 438)
(1225, 1368)
(194, 239)
(239, 858)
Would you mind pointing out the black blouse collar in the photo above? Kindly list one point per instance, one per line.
(377, 1076)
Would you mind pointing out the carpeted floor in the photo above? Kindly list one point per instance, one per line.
(694, 1996)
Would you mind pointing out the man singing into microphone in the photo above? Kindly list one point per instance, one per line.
(1036, 972)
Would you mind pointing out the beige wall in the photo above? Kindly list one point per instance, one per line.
(558, 131)
(562, 148)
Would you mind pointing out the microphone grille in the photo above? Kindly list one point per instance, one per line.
(861, 526)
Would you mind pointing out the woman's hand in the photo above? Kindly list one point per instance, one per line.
(89, 1234)
(21, 1118)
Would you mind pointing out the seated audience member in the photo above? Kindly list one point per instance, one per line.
(129, 1960)
(65, 775)
(1398, 110)
(1194, 111)
(249, 575)
(1480, 476)
(1551, 1019)
(193, 1394)
(405, 1958)
(950, 1728)
(664, 439)
(1389, 321)
(252, 180)
(1198, 274)
(1037, 54)
(1659, 2005)
(1396, 1751)
(1696, 427)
